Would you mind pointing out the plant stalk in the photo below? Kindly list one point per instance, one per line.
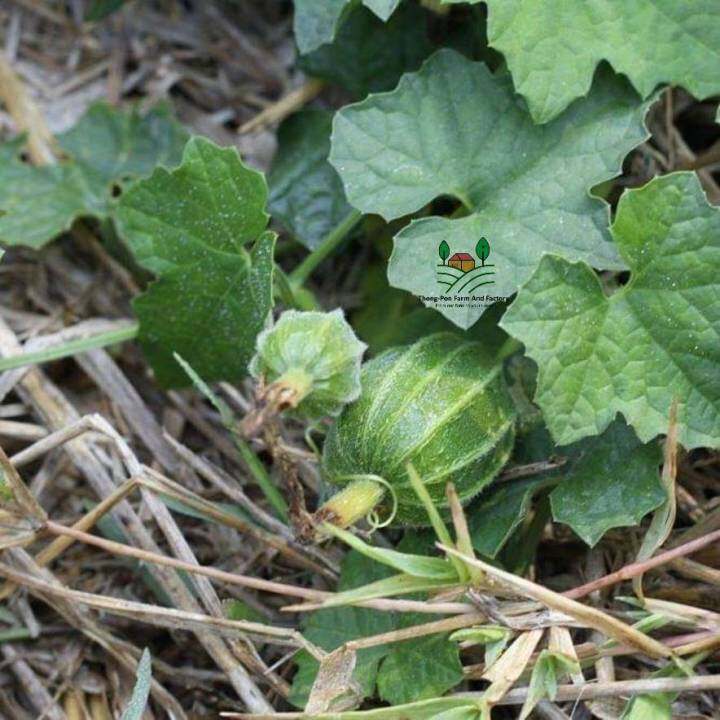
(352, 503)
(326, 247)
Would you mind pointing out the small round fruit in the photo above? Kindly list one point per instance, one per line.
(440, 404)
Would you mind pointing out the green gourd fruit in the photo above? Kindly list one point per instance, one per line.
(440, 404)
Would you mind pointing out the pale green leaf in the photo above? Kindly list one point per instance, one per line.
(106, 149)
(388, 587)
(548, 670)
(613, 480)
(306, 194)
(212, 297)
(553, 47)
(654, 339)
(138, 701)
(382, 8)
(455, 129)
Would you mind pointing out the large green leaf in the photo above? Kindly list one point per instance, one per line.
(656, 339)
(612, 481)
(552, 47)
(212, 297)
(306, 194)
(455, 129)
(316, 21)
(106, 149)
(369, 55)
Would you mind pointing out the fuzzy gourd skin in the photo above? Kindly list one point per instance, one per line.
(440, 404)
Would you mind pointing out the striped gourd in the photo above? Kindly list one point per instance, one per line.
(440, 404)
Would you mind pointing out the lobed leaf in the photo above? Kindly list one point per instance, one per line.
(553, 47)
(653, 340)
(369, 55)
(330, 628)
(317, 21)
(455, 129)
(106, 150)
(613, 481)
(212, 297)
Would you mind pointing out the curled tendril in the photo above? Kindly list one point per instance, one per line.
(373, 518)
(309, 430)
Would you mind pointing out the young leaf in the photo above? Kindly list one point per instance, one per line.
(106, 149)
(455, 129)
(547, 672)
(613, 481)
(369, 55)
(306, 194)
(552, 47)
(212, 297)
(655, 339)
(138, 701)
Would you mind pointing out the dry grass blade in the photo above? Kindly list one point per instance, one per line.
(120, 549)
(584, 614)
(162, 616)
(334, 689)
(503, 673)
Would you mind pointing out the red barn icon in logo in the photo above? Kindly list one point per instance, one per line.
(462, 261)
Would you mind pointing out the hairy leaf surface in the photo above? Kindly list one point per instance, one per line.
(212, 297)
(455, 129)
(106, 149)
(655, 339)
(612, 481)
(553, 47)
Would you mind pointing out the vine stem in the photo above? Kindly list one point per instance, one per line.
(327, 245)
(72, 347)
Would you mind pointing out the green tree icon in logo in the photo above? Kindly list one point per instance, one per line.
(444, 251)
(483, 250)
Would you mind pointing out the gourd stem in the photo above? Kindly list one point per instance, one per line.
(353, 502)
(328, 244)
(296, 381)
(508, 348)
